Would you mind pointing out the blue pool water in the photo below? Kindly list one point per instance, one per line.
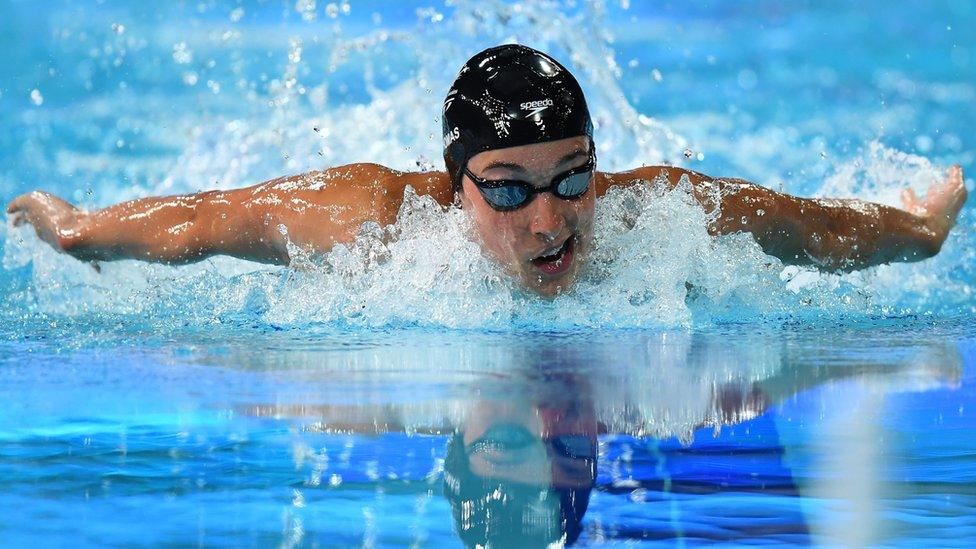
(227, 403)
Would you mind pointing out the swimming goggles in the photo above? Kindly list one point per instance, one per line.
(571, 446)
(505, 195)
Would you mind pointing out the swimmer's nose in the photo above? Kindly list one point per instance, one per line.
(547, 221)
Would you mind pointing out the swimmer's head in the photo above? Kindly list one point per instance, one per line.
(516, 122)
(500, 512)
(522, 464)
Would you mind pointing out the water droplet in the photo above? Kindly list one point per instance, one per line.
(688, 153)
(236, 15)
(923, 143)
(315, 129)
(823, 155)
(295, 52)
(306, 8)
(744, 220)
(760, 212)
(700, 156)
(36, 98)
(118, 28)
(332, 10)
(747, 79)
(656, 75)
(181, 53)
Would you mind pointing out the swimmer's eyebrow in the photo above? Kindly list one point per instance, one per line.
(505, 165)
(572, 156)
(521, 169)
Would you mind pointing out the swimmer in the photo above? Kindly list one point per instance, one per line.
(520, 159)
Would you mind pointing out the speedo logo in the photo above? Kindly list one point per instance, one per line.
(536, 107)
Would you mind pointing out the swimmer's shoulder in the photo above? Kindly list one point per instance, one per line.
(435, 184)
(377, 182)
(644, 174)
(336, 201)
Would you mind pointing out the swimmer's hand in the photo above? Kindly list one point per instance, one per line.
(941, 205)
(53, 219)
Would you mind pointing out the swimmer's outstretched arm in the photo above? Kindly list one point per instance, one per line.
(315, 210)
(170, 229)
(834, 234)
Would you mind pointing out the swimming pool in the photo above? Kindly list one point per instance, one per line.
(694, 392)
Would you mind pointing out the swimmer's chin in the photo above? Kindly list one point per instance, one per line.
(553, 291)
(548, 289)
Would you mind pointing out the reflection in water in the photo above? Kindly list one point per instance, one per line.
(520, 472)
(523, 418)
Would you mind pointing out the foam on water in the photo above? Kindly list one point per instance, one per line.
(654, 264)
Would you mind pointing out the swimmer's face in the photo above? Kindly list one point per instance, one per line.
(544, 242)
(534, 443)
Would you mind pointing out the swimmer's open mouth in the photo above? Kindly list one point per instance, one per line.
(557, 261)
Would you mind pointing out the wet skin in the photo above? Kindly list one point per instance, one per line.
(514, 440)
(545, 225)
(320, 209)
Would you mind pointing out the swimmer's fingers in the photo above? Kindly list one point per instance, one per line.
(17, 210)
(947, 197)
(24, 205)
(938, 188)
(17, 218)
(956, 184)
(911, 203)
(14, 205)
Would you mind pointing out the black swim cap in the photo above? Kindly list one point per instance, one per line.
(508, 96)
(496, 512)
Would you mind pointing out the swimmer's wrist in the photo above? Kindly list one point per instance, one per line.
(936, 231)
(73, 233)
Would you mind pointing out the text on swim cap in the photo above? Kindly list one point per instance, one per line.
(540, 104)
(451, 136)
(535, 107)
